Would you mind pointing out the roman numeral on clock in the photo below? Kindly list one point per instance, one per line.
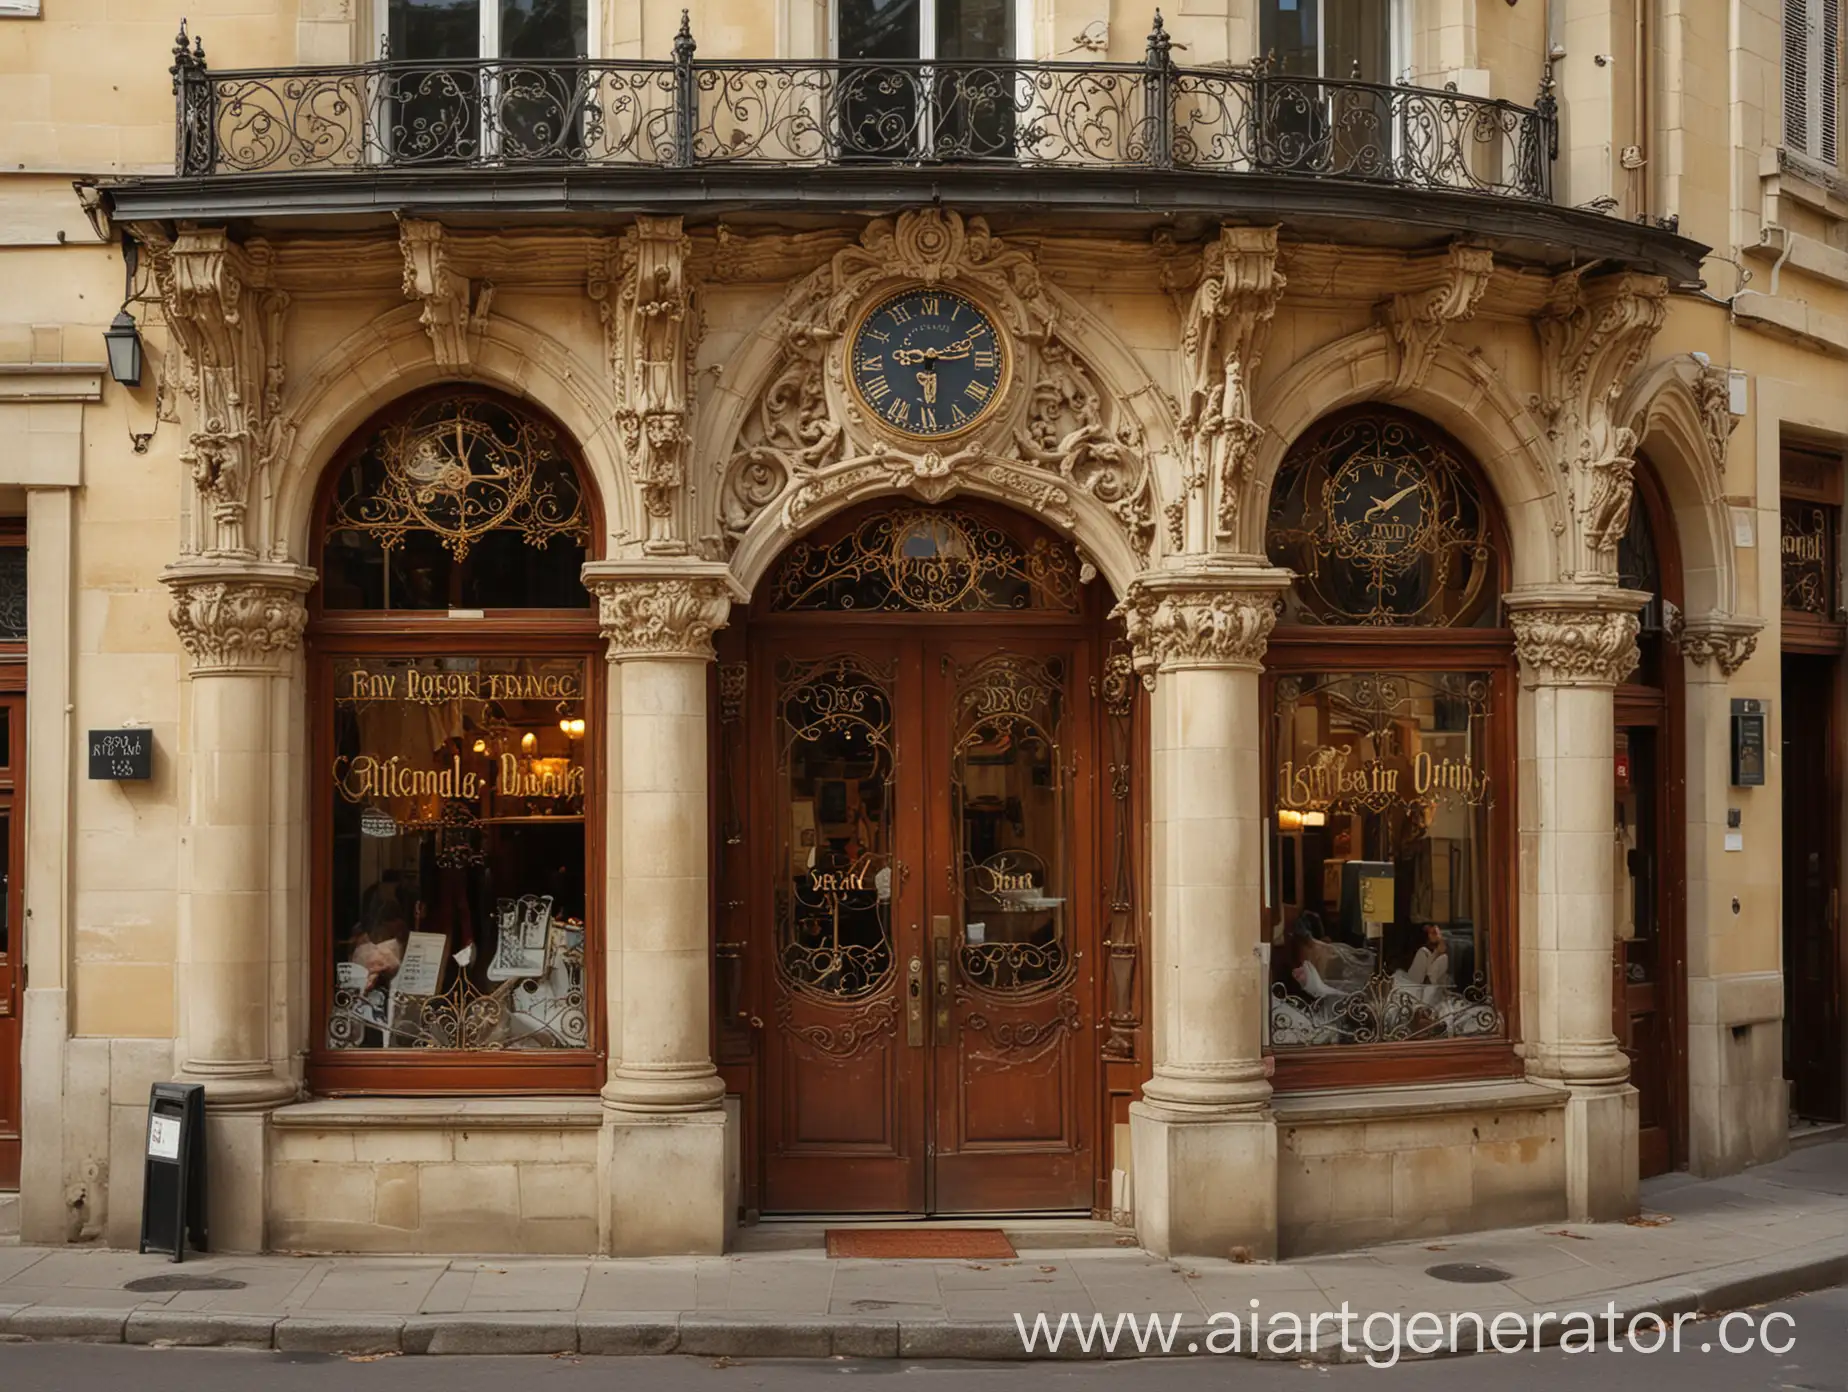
(979, 390)
(899, 412)
(984, 359)
(878, 389)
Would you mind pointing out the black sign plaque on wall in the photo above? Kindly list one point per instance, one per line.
(173, 1193)
(122, 755)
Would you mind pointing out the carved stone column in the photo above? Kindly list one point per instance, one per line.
(1575, 644)
(241, 622)
(1203, 1140)
(664, 1113)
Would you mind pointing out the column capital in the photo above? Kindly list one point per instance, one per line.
(1569, 635)
(1203, 615)
(651, 610)
(1724, 638)
(238, 616)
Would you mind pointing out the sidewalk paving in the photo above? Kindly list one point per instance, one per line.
(1701, 1246)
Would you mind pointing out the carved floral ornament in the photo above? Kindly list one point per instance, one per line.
(806, 440)
(670, 616)
(233, 620)
(1727, 642)
(1194, 619)
(1577, 641)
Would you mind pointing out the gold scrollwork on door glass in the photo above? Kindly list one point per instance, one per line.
(928, 560)
(1383, 526)
(1008, 794)
(835, 872)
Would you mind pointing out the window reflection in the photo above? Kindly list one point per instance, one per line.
(457, 790)
(1008, 807)
(1380, 924)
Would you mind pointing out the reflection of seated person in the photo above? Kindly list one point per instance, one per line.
(1431, 963)
(1325, 968)
(379, 946)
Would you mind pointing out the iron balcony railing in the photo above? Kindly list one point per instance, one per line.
(702, 115)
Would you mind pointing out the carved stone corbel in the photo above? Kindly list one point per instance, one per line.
(1222, 343)
(1418, 320)
(454, 308)
(226, 318)
(238, 617)
(1593, 337)
(646, 610)
(644, 297)
(1205, 617)
(1576, 637)
(1726, 641)
(1713, 395)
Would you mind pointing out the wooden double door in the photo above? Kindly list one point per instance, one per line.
(922, 839)
(12, 920)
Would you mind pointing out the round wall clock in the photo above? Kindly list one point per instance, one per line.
(927, 363)
(1380, 509)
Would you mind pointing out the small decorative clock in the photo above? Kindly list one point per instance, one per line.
(927, 362)
(1381, 510)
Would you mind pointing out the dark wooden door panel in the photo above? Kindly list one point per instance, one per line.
(12, 927)
(1812, 871)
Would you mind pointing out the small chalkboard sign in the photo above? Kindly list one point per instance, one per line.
(122, 755)
(173, 1184)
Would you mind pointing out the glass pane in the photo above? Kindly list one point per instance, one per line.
(544, 28)
(1383, 526)
(461, 503)
(1808, 548)
(12, 593)
(878, 29)
(1359, 41)
(927, 560)
(1381, 930)
(1634, 852)
(834, 766)
(435, 29)
(978, 29)
(1287, 35)
(458, 788)
(1008, 794)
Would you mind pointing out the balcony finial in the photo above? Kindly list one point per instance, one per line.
(1159, 42)
(683, 41)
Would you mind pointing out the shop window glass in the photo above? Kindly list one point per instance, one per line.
(1807, 544)
(1383, 526)
(456, 796)
(459, 502)
(1382, 865)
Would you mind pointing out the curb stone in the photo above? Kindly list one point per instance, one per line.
(715, 1336)
(625, 1336)
(305, 1334)
(489, 1334)
(50, 1322)
(198, 1329)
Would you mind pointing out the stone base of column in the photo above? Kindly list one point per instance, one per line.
(237, 1180)
(1205, 1184)
(1602, 1165)
(667, 1184)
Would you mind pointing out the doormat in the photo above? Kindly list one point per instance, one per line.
(924, 1244)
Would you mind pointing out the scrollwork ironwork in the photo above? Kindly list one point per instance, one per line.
(1387, 1010)
(689, 113)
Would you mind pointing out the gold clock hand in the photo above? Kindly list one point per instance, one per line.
(905, 357)
(1384, 505)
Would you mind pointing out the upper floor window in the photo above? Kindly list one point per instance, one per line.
(426, 29)
(1328, 38)
(904, 30)
(1812, 77)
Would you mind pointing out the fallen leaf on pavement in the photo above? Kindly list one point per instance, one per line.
(1049, 1268)
(1649, 1220)
(1566, 1232)
(370, 1357)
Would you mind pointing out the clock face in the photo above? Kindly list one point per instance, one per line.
(927, 363)
(1380, 510)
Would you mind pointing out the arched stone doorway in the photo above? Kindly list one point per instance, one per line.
(925, 972)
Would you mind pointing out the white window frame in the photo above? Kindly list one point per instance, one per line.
(488, 36)
(1814, 60)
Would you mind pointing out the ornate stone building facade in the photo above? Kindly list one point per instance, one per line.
(783, 625)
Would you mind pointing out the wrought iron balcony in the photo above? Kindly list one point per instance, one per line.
(688, 114)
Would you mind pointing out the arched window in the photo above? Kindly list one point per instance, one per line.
(457, 689)
(1390, 759)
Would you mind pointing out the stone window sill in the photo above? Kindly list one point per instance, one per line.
(1385, 1103)
(445, 1113)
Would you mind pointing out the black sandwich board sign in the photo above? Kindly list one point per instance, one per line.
(173, 1193)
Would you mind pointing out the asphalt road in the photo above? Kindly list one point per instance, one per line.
(1817, 1363)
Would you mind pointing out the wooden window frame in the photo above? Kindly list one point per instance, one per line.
(563, 633)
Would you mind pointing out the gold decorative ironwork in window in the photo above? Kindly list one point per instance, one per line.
(1383, 526)
(459, 467)
(1807, 546)
(928, 560)
(1008, 810)
(835, 879)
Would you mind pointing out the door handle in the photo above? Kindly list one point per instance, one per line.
(914, 1003)
(940, 942)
